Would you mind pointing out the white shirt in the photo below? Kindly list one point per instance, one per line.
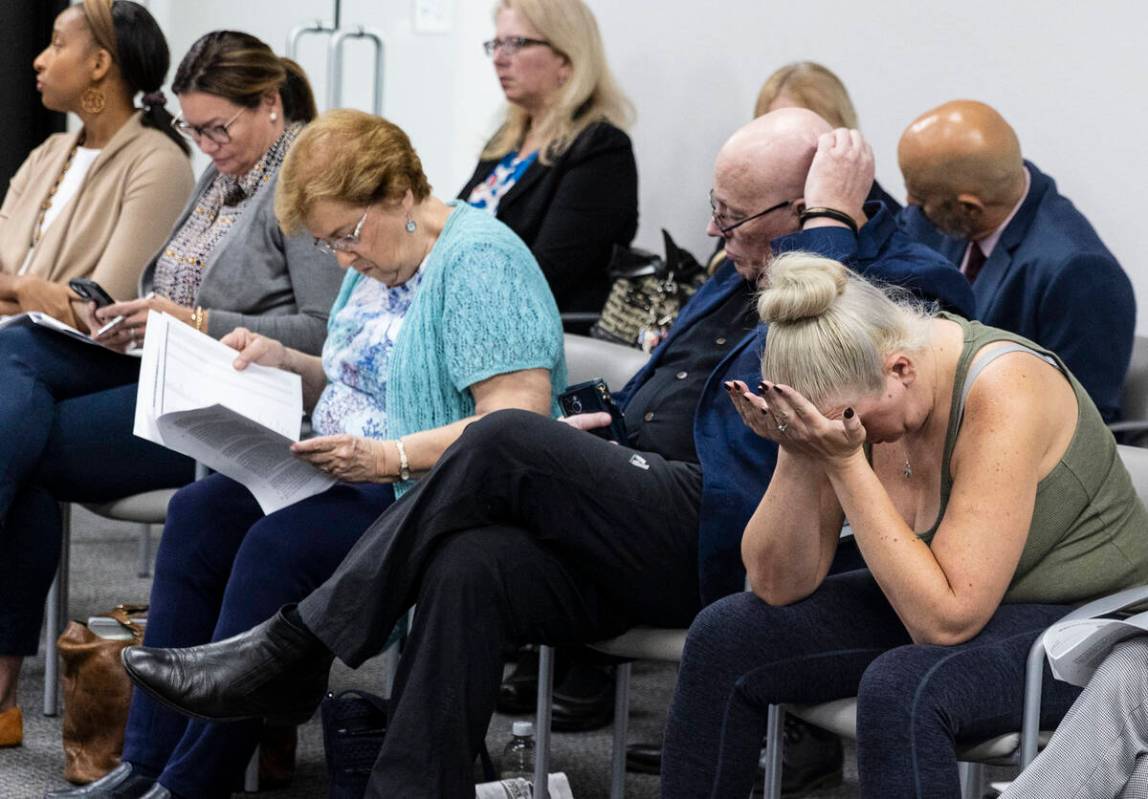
(69, 187)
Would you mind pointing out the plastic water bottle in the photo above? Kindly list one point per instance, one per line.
(518, 756)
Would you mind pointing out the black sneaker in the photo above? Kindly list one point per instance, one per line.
(811, 758)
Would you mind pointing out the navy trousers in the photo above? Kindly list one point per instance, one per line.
(915, 702)
(223, 567)
(66, 415)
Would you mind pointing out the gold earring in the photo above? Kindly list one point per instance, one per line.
(93, 101)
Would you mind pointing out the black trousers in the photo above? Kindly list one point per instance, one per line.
(526, 531)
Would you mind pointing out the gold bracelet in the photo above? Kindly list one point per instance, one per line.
(199, 318)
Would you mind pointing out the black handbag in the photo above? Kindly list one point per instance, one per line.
(354, 723)
(647, 294)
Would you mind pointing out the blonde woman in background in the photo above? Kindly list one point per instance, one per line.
(807, 84)
(97, 202)
(560, 170)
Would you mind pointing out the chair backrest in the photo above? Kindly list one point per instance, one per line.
(1134, 393)
(1136, 462)
(588, 358)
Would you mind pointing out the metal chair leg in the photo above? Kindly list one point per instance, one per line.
(542, 722)
(55, 615)
(773, 736)
(251, 774)
(143, 569)
(621, 726)
(972, 780)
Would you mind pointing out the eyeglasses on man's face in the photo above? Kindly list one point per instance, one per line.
(343, 243)
(727, 224)
(512, 44)
(218, 134)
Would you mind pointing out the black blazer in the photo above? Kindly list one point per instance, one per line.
(573, 212)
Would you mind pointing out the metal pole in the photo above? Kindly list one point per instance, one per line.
(335, 65)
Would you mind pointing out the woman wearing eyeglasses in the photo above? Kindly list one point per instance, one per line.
(98, 202)
(560, 170)
(444, 316)
(66, 408)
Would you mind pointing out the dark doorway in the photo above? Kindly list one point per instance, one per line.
(25, 30)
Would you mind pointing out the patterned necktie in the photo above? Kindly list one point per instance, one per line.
(976, 261)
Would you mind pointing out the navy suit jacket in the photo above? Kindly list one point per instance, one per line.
(736, 463)
(1051, 279)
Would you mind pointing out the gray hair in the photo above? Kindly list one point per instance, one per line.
(831, 330)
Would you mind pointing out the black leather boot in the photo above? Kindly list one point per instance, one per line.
(277, 671)
(125, 781)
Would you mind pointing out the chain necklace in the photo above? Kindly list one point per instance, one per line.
(38, 231)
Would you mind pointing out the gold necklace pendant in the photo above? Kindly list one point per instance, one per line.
(907, 470)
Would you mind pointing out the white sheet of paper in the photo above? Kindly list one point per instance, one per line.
(50, 322)
(241, 424)
(1077, 648)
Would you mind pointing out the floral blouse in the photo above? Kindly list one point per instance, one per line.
(356, 358)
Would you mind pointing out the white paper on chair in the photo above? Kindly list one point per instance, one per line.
(1076, 648)
(51, 323)
(241, 424)
(557, 785)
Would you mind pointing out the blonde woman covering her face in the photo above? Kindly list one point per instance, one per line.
(984, 493)
(560, 169)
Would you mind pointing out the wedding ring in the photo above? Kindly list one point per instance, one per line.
(782, 427)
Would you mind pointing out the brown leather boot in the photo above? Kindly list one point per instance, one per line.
(11, 727)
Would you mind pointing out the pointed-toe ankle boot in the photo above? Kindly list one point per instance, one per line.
(11, 727)
(277, 671)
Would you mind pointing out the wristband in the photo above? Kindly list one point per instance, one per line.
(829, 213)
(404, 464)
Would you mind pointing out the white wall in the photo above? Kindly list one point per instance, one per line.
(1067, 75)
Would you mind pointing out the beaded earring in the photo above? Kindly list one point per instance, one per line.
(411, 226)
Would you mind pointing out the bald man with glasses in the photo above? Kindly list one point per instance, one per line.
(530, 530)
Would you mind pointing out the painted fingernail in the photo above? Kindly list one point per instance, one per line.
(848, 413)
(729, 386)
(761, 388)
(764, 410)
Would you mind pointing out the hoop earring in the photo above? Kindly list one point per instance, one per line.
(93, 101)
(411, 227)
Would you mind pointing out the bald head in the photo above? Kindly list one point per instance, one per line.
(963, 149)
(760, 172)
(771, 155)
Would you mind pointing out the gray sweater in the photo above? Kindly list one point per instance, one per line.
(278, 286)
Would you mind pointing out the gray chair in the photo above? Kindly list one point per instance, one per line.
(586, 358)
(1133, 427)
(1015, 748)
(144, 510)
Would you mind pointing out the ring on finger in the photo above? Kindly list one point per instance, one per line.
(782, 427)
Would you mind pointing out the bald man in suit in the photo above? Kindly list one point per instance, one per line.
(1036, 265)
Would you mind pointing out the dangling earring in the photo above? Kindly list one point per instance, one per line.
(93, 101)
(411, 226)
(274, 116)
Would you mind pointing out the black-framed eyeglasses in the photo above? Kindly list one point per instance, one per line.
(512, 44)
(219, 134)
(343, 243)
(728, 226)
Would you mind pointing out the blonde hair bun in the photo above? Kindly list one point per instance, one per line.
(801, 286)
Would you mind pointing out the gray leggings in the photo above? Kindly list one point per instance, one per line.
(915, 702)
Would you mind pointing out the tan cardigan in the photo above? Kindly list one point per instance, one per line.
(109, 230)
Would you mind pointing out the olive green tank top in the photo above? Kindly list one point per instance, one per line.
(1089, 531)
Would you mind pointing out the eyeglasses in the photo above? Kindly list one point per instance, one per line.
(343, 243)
(215, 133)
(728, 226)
(512, 44)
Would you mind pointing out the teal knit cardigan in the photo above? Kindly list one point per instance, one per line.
(483, 308)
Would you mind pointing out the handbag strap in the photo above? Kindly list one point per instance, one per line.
(123, 614)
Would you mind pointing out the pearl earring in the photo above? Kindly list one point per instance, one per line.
(411, 226)
(274, 116)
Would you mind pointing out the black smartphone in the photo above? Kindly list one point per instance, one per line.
(591, 397)
(90, 290)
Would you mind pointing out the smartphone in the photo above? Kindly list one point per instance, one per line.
(591, 397)
(90, 290)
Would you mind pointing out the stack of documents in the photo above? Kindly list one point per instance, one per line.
(191, 399)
